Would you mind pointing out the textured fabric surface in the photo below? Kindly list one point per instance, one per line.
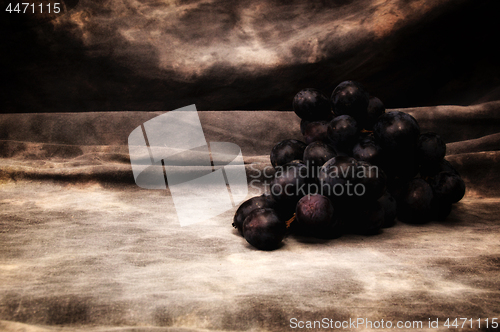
(82, 248)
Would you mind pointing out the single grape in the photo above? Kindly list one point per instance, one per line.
(316, 131)
(315, 214)
(416, 204)
(258, 202)
(316, 155)
(350, 98)
(343, 132)
(448, 187)
(366, 149)
(375, 109)
(312, 105)
(396, 131)
(431, 149)
(289, 184)
(263, 229)
(287, 151)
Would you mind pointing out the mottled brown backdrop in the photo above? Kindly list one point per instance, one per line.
(220, 54)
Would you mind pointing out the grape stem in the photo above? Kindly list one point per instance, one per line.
(289, 221)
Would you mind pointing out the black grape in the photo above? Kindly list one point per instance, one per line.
(416, 203)
(263, 229)
(366, 149)
(316, 131)
(448, 187)
(350, 98)
(258, 202)
(287, 151)
(312, 105)
(431, 149)
(315, 214)
(375, 109)
(396, 132)
(316, 155)
(343, 132)
(289, 185)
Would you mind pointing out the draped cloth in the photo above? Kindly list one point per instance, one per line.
(82, 247)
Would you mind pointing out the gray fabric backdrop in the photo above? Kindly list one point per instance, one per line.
(83, 248)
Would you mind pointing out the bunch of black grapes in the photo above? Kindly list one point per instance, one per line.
(359, 168)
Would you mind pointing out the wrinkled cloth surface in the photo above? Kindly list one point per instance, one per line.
(82, 248)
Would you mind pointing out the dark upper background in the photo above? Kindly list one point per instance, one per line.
(160, 55)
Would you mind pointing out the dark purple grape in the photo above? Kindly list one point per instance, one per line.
(289, 185)
(431, 149)
(350, 98)
(416, 204)
(258, 202)
(263, 229)
(316, 131)
(373, 180)
(287, 151)
(448, 187)
(312, 105)
(396, 132)
(337, 178)
(367, 150)
(375, 109)
(309, 175)
(343, 132)
(390, 209)
(316, 155)
(315, 214)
